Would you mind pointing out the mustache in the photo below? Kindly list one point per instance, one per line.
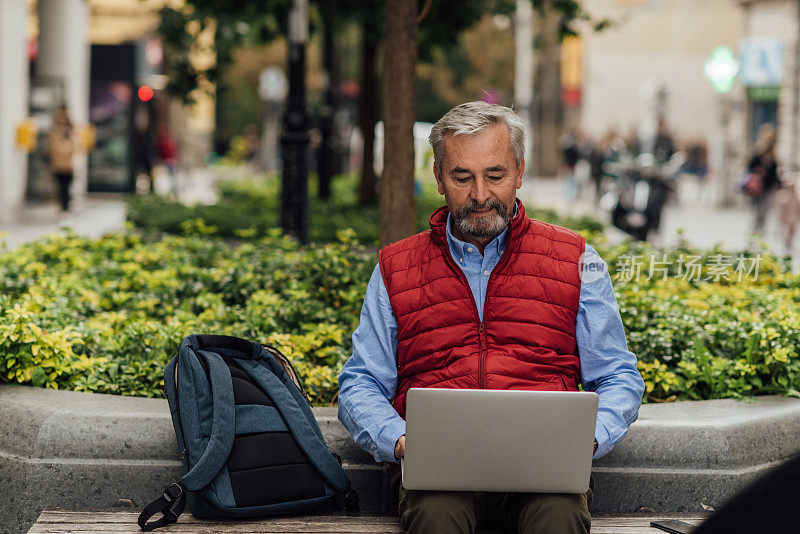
(491, 203)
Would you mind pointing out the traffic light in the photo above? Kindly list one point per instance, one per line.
(145, 93)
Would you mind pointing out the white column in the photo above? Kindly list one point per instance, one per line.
(64, 52)
(523, 75)
(13, 105)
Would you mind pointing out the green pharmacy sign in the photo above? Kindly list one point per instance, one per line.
(721, 69)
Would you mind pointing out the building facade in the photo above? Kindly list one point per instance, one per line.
(46, 51)
(769, 77)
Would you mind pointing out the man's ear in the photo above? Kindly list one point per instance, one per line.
(437, 173)
(520, 172)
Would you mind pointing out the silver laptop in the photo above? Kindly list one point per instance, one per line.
(493, 440)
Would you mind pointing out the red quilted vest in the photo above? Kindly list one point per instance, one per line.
(527, 337)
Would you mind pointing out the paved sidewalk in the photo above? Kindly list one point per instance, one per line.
(99, 215)
(703, 223)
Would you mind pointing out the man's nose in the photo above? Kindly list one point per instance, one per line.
(480, 192)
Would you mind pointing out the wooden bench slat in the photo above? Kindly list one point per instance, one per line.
(218, 527)
(215, 529)
(67, 516)
(56, 521)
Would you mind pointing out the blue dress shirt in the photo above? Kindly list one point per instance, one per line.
(369, 378)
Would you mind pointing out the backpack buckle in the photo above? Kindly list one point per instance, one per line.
(173, 494)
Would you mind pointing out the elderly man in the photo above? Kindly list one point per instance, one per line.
(487, 298)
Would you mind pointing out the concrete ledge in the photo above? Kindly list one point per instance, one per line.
(679, 456)
(61, 448)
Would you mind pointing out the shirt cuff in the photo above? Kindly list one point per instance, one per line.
(603, 442)
(387, 440)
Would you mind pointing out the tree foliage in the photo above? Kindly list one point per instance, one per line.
(233, 25)
(572, 13)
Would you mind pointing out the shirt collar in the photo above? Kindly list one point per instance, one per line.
(459, 248)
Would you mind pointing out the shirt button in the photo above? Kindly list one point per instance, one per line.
(486, 273)
(469, 249)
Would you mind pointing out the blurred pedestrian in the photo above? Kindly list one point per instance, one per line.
(788, 206)
(696, 164)
(664, 146)
(763, 177)
(570, 152)
(633, 142)
(570, 155)
(167, 150)
(60, 153)
(597, 158)
(614, 146)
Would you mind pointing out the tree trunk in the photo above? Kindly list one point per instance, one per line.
(368, 116)
(397, 203)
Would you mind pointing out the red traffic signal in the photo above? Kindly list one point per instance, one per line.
(145, 93)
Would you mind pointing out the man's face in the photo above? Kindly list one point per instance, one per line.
(479, 178)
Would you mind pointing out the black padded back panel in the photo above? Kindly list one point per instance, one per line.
(267, 467)
(280, 483)
(266, 449)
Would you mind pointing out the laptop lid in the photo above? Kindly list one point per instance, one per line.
(499, 440)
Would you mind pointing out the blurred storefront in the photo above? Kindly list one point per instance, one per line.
(769, 57)
(101, 58)
(125, 108)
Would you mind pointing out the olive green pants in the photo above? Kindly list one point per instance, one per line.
(462, 512)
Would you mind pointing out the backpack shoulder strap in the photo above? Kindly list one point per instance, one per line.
(173, 500)
(222, 425)
(308, 437)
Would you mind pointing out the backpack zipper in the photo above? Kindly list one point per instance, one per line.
(178, 409)
(295, 379)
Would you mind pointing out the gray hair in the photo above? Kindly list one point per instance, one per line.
(470, 118)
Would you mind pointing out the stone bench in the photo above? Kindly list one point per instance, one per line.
(61, 448)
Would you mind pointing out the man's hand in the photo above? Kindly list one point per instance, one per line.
(400, 447)
(594, 451)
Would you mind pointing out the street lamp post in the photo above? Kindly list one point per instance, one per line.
(294, 141)
(326, 155)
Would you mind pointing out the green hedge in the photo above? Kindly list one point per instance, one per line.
(106, 315)
(725, 335)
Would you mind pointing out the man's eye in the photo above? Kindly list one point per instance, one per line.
(496, 178)
(462, 179)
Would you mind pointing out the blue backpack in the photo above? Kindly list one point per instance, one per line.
(250, 444)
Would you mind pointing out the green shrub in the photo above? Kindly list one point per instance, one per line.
(106, 315)
(711, 338)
